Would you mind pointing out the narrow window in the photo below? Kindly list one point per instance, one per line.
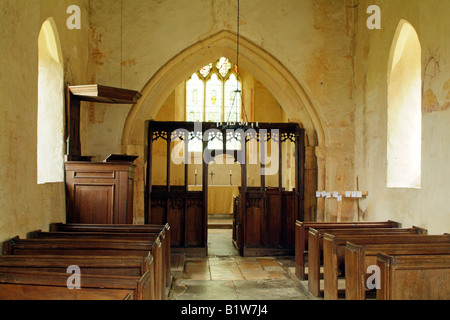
(404, 136)
(50, 118)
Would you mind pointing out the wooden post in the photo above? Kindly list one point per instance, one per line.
(186, 161)
(280, 164)
(205, 195)
(262, 152)
(244, 192)
(169, 140)
(299, 173)
(148, 193)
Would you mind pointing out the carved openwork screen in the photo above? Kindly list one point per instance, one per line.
(185, 159)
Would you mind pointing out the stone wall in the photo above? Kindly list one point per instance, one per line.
(25, 205)
(304, 59)
(427, 206)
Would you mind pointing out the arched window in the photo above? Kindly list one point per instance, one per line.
(211, 94)
(404, 136)
(50, 120)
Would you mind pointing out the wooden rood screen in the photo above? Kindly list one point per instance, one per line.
(264, 218)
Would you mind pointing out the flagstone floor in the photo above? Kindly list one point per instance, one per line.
(224, 275)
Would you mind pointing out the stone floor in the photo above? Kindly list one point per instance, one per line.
(224, 275)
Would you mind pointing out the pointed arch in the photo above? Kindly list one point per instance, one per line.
(282, 84)
(404, 136)
(50, 120)
(267, 69)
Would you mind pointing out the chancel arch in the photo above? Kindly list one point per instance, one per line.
(287, 90)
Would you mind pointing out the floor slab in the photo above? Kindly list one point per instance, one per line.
(224, 275)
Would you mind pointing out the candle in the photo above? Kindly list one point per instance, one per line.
(231, 172)
(195, 171)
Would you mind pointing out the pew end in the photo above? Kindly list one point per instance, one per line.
(414, 277)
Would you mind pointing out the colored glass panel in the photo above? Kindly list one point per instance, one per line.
(194, 98)
(214, 92)
(206, 70)
(223, 66)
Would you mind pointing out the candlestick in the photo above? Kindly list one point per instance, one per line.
(212, 175)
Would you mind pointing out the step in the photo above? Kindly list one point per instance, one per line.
(220, 221)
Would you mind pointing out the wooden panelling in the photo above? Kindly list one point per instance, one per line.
(194, 223)
(94, 204)
(99, 192)
(273, 214)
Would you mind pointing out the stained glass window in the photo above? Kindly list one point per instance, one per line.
(206, 70)
(224, 66)
(214, 97)
(214, 93)
(194, 98)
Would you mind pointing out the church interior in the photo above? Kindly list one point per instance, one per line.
(235, 136)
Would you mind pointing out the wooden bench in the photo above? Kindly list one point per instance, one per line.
(88, 247)
(35, 285)
(160, 264)
(358, 257)
(414, 277)
(301, 237)
(334, 253)
(315, 248)
(97, 265)
(125, 228)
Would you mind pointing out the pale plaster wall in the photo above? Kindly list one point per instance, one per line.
(25, 205)
(428, 206)
(332, 79)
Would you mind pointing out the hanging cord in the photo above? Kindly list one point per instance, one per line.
(237, 59)
(238, 91)
(238, 36)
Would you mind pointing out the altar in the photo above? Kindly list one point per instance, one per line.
(220, 198)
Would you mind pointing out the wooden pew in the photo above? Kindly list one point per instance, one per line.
(358, 257)
(334, 252)
(126, 228)
(35, 285)
(301, 237)
(97, 265)
(414, 277)
(88, 247)
(315, 248)
(160, 267)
